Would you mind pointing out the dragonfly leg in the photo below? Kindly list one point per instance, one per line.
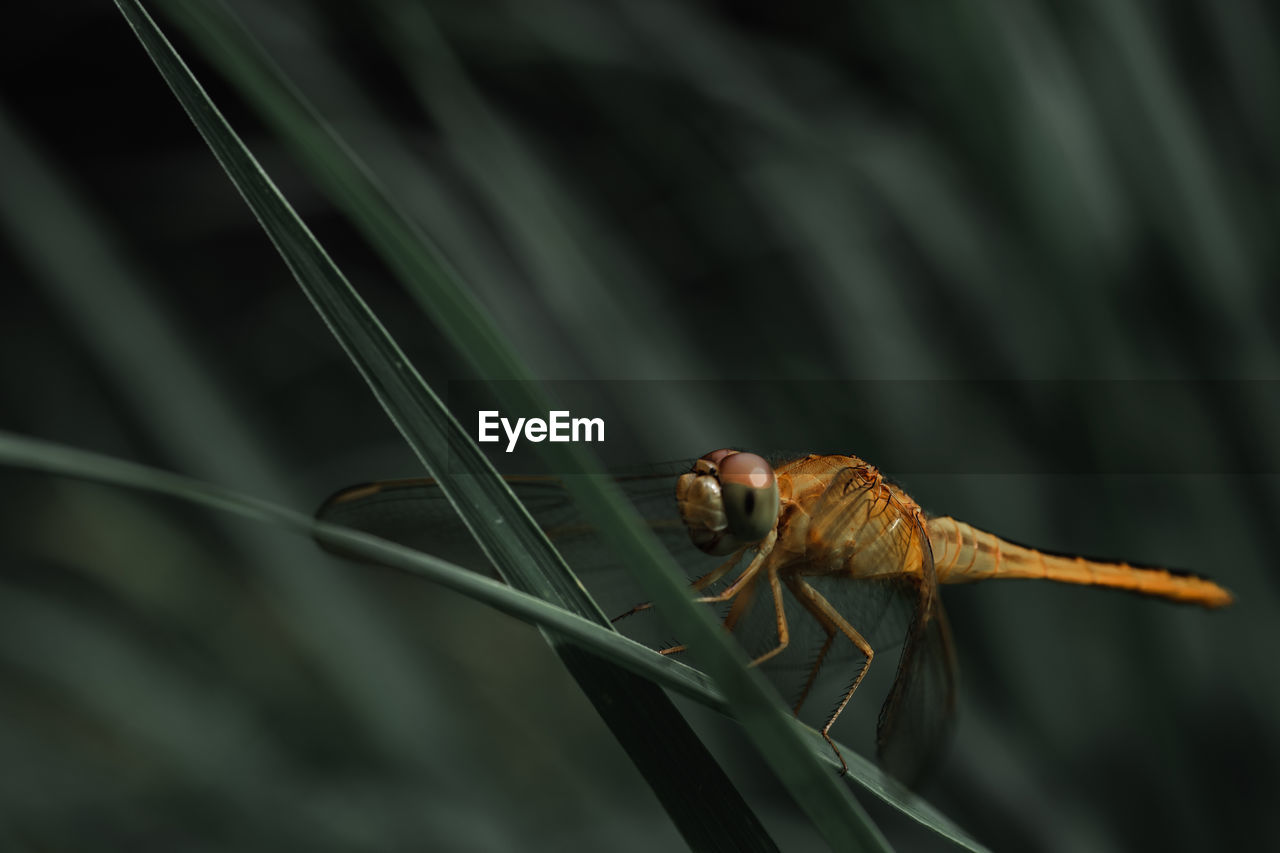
(814, 670)
(698, 585)
(648, 605)
(813, 600)
(715, 574)
(740, 606)
(741, 585)
(766, 548)
(832, 633)
(784, 635)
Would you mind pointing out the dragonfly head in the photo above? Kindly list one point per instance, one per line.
(728, 500)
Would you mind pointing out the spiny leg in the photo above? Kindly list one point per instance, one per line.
(784, 635)
(697, 586)
(742, 591)
(807, 593)
(814, 670)
(765, 549)
(831, 632)
(743, 580)
(740, 606)
(648, 605)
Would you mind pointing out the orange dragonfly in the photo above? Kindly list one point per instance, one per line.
(846, 545)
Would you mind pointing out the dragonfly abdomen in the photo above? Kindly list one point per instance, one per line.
(962, 554)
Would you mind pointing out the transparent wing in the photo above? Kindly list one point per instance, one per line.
(416, 513)
(918, 715)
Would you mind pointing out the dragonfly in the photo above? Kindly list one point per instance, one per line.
(826, 545)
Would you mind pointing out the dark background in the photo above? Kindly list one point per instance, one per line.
(790, 207)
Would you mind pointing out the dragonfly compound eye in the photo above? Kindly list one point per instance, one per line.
(750, 493)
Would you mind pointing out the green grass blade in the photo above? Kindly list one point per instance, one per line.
(59, 460)
(703, 802)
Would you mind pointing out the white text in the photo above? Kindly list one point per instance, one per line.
(558, 427)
